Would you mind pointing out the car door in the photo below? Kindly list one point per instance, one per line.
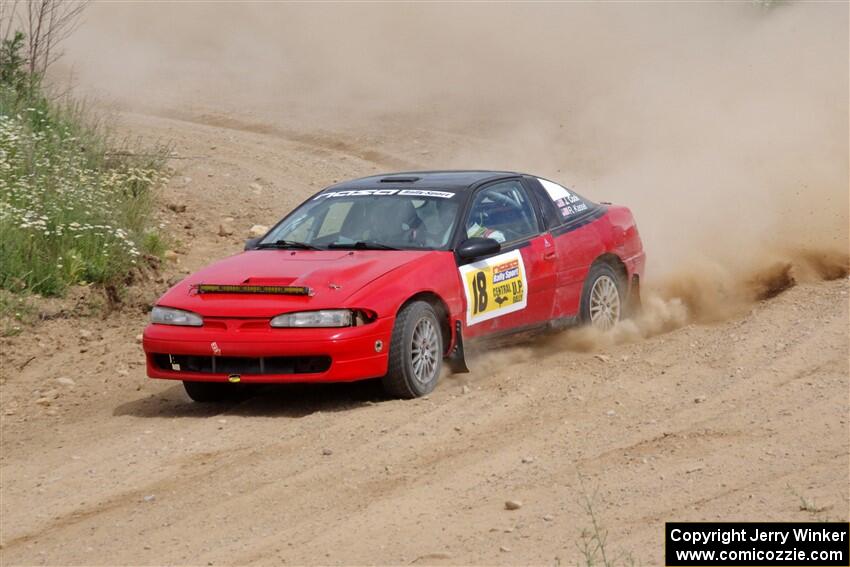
(515, 288)
(569, 217)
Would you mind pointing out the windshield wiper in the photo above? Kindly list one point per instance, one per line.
(361, 245)
(288, 244)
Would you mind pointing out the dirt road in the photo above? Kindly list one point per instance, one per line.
(744, 419)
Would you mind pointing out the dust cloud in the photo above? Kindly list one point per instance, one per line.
(705, 294)
(724, 126)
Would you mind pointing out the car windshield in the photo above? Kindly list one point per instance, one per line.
(418, 220)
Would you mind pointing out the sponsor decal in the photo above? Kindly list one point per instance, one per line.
(426, 193)
(506, 271)
(386, 192)
(494, 287)
(256, 289)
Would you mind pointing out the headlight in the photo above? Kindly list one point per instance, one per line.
(326, 318)
(169, 316)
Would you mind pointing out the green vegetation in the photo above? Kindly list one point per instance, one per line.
(74, 206)
(593, 544)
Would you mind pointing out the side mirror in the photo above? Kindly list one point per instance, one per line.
(251, 243)
(478, 247)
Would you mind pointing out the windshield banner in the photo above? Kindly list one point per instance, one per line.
(380, 192)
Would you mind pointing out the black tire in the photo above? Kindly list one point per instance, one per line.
(401, 379)
(208, 392)
(600, 271)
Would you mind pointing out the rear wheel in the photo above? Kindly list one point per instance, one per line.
(602, 302)
(211, 391)
(416, 352)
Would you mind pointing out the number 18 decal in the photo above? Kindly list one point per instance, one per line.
(494, 287)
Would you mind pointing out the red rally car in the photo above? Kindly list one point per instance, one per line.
(386, 276)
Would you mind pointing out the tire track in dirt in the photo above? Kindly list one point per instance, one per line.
(123, 499)
(319, 144)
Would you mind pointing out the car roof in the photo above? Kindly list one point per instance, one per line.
(456, 180)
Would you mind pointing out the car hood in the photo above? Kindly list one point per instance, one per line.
(331, 275)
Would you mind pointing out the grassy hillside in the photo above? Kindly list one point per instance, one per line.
(75, 207)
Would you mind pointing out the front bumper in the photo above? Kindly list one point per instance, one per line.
(251, 342)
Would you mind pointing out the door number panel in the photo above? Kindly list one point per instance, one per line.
(494, 287)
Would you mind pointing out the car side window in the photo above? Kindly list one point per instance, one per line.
(567, 203)
(502, 212)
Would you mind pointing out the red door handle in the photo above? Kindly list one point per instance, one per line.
(549, 255)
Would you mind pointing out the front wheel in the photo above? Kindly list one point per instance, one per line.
(416, 352)
(602, 297)
(211, 391)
